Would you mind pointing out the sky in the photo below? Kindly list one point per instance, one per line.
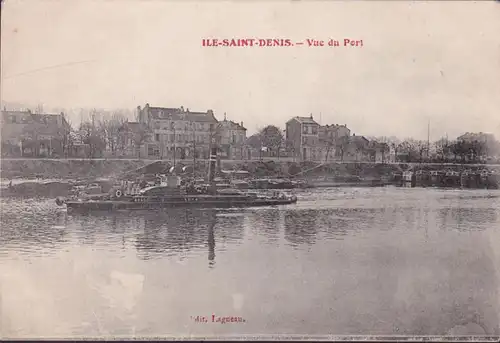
(420, 61)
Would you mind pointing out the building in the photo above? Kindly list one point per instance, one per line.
(481, 144)
(378, 152)
(302, 138)
(357, 149)
(232, 139)
(132, 139)
(30, 134)
(331, 138)
(178, 133)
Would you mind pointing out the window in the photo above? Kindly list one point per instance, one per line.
(157, 137)
(304, 129)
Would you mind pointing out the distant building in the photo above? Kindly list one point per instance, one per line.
(302, 138)
(232, 139)
(178, 133)
(331, 137)
(132, 139)
(24, 133)
(379, 152)
(357, 149)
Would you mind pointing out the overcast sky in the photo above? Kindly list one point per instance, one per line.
(419, 60)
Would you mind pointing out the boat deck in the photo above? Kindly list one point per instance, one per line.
(200, 201)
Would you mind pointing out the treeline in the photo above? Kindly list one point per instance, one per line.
(444, 150)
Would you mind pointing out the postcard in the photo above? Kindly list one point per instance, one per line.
(307, 170)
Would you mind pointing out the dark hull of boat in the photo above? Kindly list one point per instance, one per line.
(87, 206)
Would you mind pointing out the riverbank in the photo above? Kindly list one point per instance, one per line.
(76, 169)
(67, 169)
(50, 177)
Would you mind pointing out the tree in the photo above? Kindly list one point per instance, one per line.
(90, 135)
(110, 126)
(272, 138)
(329, 142)
(341, 145)
(255, 142)
(391, 142)
(139, 137)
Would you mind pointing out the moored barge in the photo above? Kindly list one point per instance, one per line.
(172, 195)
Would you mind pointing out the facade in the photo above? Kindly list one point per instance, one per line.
(178, 133)
(30, 134)
(379, 152)
(302, 138)
(132, 139)
(232, 140)
(331, 138)
(358, 149)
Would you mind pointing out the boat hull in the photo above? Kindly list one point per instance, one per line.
(87, 206)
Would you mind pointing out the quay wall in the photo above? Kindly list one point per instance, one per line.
(61, 175)
(95, 168)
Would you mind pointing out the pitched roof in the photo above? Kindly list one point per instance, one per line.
(233, 124)
(180, 114)
(28, 123)
(304, 120)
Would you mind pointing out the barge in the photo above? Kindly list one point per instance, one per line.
(172, 195)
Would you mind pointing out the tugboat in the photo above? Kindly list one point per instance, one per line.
(171, 195)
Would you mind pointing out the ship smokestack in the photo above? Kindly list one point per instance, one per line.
(211, 167)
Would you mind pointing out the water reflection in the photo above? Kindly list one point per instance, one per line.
(468, 219)
(300, 226)
(32, 226)
(374, 263)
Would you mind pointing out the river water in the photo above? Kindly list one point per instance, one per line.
(344, 261)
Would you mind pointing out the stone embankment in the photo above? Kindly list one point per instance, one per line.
(67, 172)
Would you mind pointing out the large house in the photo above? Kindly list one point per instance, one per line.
(302, 138)
(232, 139)
(30, 134)
(178, 132)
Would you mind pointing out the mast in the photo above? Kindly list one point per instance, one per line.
(211, 167)
(428, 137)
(194, 149)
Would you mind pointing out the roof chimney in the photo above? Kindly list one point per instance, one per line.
(242, 124)
(182, 108)
(187, 110)
(311, 116)
(225, 117)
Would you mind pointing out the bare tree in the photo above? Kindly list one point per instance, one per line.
(140, 137)
(109, 126)
(92, 137)
(341, 145)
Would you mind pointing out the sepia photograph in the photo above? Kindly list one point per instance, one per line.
(221, 170)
